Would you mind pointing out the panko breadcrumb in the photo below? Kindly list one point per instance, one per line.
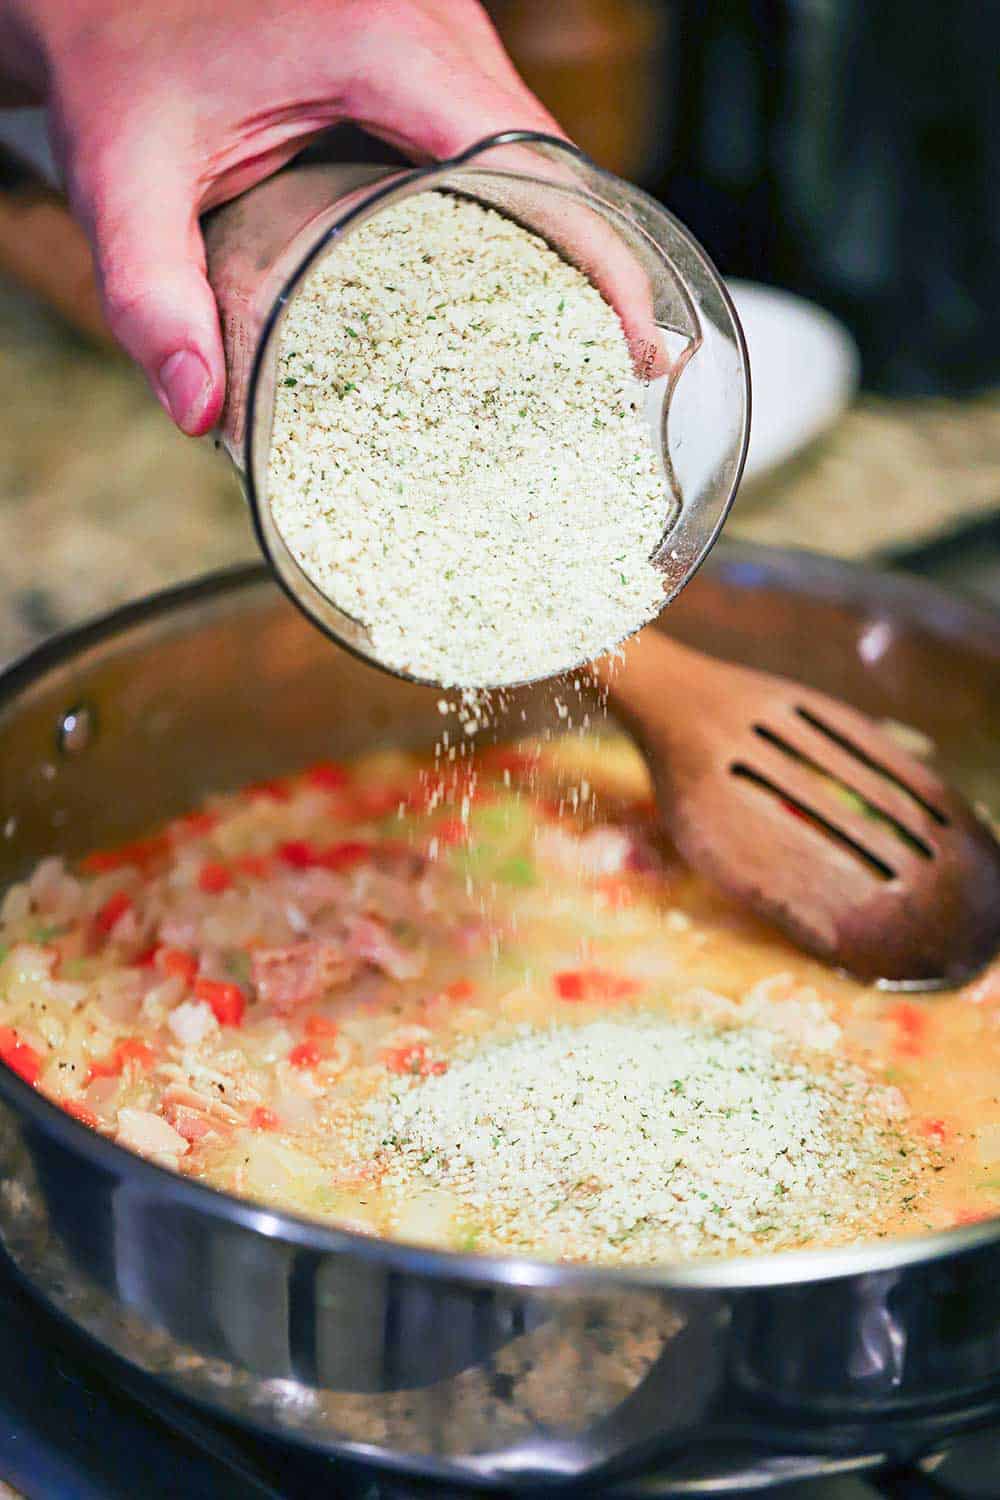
(459, 459)
(644, 1139)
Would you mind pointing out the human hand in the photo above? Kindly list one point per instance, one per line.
(162, 111)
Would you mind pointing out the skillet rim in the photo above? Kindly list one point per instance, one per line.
(934, 609)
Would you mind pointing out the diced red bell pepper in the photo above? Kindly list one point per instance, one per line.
(460, 989)
(19, 1057)
(254, 865)
(100, 861)
(80, 1112)
(613, 986)
(306, 1055)
(412, 1059)
(299, 854)
(451, 832)
(227, 1001)
(345, 855)
(272, 791)
(569, 985)
(105, 1067)
(131, 1050)
(264, 1119)
(425, 797)
(177, 963)
(138, 854)
(505, 758)
(972, 1216)
(593, 984)
(379, 801)
(147, 958)
(617, 891)
(935, 1130)
(195, 823)
(327, 775)
(317, 1026)
(214, 877)
(112, 911)
(911, 1022)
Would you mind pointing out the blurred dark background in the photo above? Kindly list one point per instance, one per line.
(846, 149)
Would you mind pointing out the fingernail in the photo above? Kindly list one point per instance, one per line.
(186, 386)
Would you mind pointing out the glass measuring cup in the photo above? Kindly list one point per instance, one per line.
(685, 338)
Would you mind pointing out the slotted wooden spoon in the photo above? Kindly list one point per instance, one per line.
(804, 810)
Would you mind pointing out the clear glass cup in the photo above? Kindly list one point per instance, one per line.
(686, 341)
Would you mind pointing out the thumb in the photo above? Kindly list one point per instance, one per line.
(150, 261)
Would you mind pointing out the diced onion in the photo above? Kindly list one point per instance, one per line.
(988, 1144)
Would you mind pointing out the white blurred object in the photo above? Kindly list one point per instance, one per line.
(804, 371)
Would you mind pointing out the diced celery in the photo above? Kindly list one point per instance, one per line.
(517, 871)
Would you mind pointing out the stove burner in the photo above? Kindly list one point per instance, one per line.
(73, 1420)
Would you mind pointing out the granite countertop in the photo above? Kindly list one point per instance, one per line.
(101, 500)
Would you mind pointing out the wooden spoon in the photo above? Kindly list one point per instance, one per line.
(805, 811)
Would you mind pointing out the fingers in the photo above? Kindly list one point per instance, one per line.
(434, 78)
(141, 215)
(455, 86)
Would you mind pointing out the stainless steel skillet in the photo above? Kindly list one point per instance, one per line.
(668, 1381)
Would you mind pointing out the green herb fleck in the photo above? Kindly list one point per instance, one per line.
(44, 934)
(517, 871)
(238, 965)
